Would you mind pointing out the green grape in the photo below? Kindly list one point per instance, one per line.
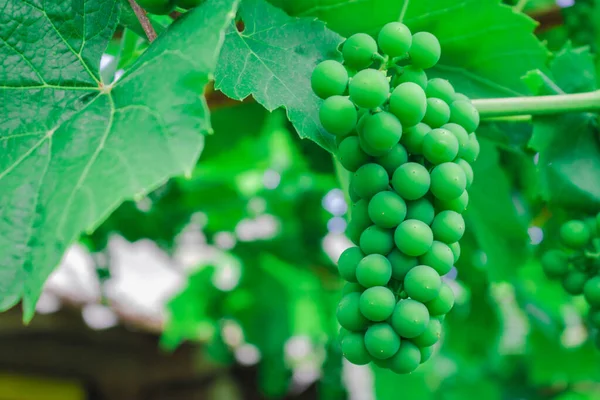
(448, 226)
(464, 114)
(458, 204)
(410, 73)
(394, 39)
(401, 264)
(347, 263)
(362, 119)
(354, 349)
(594, 317)
(555, 263)
(461, 136)
(411, 181)
(438, 257)
(413, 137)
(377, 303)
(472, 150)
(408, 103)
(574, 234)
(351, 156)
(387, 209)
(422, 283)
(329, 78)
(350, 287)
(425, 50)
(426, 353)
(393, 159)
(413, 237)
(369, 180)
(358, 50)
(376, 240)
(406, 360)
(443, 303)
(431, 335)
(591, 291)
(420, 209)
(437, 113)
(441, 89)
(374, 270)
(381, 131)
(349, 315)
(468, 170)
(188, 4)
(360, 215)
(448, 181)
(368, 149)
(460, 96)
(381, 341)
(574, 281)
(410, 318)
(158, 7)
(455, 247)
(440, 146)
(338, 115)
(369, 88)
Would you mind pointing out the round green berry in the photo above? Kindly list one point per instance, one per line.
(574, 281)
(440, 146)
(591, 291)
(426, 353)
(461, 136)
(420, 209)
(471, 152)
(374, 270)
(329, 78)
(393, 159)
(369, 88)
(338, 115)
(458, 204)
(411, 181)
(410, 318)
(463, 113)
(448, 181)
(349, 315)
(376, 240)
(555, 263)
(381, 341)
(455, 247)
(351, 287)
(422, 283)
(413, 137)
(468, 170)
(431, 335)
(425, 51)
(406, 360)
(387, 209)
(443, 303)
(574, 234)
(358, 50)
(354, 349)
(381, 131)
(377, 303)
(409, 103)
(413, 237)
(448, 226)
(401, 264)
(437, 113)
(410, 73)
(350, 154)
(439, 257)
(369, 180)
(441, 89)
(347, 263)
(394, 39)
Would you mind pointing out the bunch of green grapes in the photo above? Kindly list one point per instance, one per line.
(409, 142)
(577, 264)
(162, 7)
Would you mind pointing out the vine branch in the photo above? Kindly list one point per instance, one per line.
(144, 21)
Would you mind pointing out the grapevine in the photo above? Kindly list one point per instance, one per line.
(409, 142)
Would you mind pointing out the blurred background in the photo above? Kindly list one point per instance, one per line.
(223, 285)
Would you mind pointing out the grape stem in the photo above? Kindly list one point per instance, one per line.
(140, 13)
(538, 105)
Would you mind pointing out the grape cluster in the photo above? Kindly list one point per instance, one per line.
(577, 264)
(409, 142)
(162, 7)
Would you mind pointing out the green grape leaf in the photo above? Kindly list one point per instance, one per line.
(272, 58)
(568, 145)
(74, 148)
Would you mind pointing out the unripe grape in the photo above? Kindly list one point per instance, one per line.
(408, 103)
(448, 181)
(411, 181)
(348, 262)
(351, 287)
(441, 89)
(401, 264)
(425, 50)
(376, 240)
(440, 146)
(354, 349)
(574, 234)
(466, 167)
(591, 291)
(422, 283)
(426, 353)
(472, 150)
(381, 131)
(437, 113)
(381, 341)
(350, 154)
(370, 150)
(410, 73)
(369, 180)
(413, 137)
(406, 360)
(461, 136)
(358, 50)
(574, 281)
(413, 237)
(460, 96)
(329, 78)
(360, 218)
(443, 303)
(555, 263)
(431, 335)
(463, 113)
(455, 247)
(458, 204)
(420, 209)
(387, 209)
(349, 315)
(338, 115)
(410, 318)
(374, 270)
(448, 227)
(394, 39)
(439, 257)
(377, 303)
(393, 159)
(369, 88)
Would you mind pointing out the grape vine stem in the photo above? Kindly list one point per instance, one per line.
(538, 105)
(144, 21)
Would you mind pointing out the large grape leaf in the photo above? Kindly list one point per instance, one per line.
(73, 148)
(272, 58)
